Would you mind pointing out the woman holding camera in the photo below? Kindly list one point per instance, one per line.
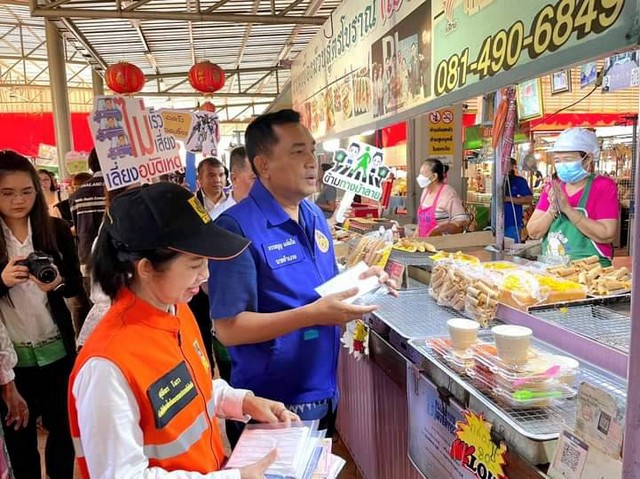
(40, 268)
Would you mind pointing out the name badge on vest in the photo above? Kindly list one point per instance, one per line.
(322, 241)
(283, 253)
(171, 394)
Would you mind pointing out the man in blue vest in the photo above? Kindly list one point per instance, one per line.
(283, 339)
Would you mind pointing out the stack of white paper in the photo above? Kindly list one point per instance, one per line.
(299, 449)
(329, 465)
(350, 279)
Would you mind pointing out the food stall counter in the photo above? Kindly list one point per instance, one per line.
(401, 327)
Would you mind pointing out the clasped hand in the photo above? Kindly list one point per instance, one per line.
(558, 200)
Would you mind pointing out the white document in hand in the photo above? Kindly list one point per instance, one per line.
(254, 444)
(350, 279)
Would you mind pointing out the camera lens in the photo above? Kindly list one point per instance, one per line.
(47, 274)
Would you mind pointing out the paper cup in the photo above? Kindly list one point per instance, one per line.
(513, 343)
(463, 332)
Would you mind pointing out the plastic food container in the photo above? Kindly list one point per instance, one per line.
(544, 380)
(459, 361)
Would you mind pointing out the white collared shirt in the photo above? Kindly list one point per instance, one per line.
(25, 310)
(109, 418)
(214, 209)
(225, 205)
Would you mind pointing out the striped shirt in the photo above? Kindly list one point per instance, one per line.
(87, 210)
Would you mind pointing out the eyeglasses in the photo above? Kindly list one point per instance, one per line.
(12, 195)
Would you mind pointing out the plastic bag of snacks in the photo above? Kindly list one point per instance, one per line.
(600, 281)
(439, 273)
(481, 298)
(374, 249)
(453, 292)
(522, 289)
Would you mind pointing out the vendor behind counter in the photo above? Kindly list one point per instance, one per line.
(441, 210)
(577, 215)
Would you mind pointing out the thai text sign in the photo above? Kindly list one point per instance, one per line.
(131, 141)
(376, 63)
(441, 133)
(505, 37)
(359, 170)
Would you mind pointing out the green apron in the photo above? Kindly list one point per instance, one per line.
(564, 241)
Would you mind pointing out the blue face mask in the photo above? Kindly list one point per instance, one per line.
(571, 172)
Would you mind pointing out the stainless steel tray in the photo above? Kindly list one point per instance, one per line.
(595, 319)
(411, 259)
(413, 314)
(538, 424)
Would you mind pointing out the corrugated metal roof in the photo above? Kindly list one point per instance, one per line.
(165, 48)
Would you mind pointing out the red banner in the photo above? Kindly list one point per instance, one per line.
(23, 132)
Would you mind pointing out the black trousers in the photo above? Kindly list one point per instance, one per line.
(45, 391)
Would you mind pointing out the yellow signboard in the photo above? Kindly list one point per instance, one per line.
(177, 123)
(441, 133)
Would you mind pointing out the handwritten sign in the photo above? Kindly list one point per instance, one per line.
(200, 130)
(177, 123)
(76, 162)
(131, 141)
(359, 170)
(474, 448)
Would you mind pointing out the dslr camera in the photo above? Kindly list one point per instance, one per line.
(41, 266)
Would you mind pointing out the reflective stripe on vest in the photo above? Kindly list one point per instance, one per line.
(181, 445)
(77, 445)
(188, 438)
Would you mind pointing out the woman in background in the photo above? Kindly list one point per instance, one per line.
(37, 319)
(440, 211)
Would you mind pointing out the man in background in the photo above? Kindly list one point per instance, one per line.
(328, 196)
(212, 178)
(242, 178)
(87, 209)
(517, 193)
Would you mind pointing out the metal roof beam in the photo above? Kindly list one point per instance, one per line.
(37, 59)
(135, 5)
(62, 13)
(236, 71)
(291, 6)
(71, 28)
(55, 4)
(215, 6)
(213, 96)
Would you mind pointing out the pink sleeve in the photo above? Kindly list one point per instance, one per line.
(543, 203)
(605, 205)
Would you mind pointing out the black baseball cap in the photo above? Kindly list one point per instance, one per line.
(165, 215)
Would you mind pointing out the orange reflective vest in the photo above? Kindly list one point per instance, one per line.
(162, 358)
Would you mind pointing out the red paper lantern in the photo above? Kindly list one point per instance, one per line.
(208, 106)
(206, 77)
(124, 78)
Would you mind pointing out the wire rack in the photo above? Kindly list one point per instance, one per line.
(540, 424)
(411, 259)
(593, 321)
(414, 314)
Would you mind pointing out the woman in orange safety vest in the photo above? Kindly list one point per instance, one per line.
(141, 400)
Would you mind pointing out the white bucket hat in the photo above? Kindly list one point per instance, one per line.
(577, 139)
